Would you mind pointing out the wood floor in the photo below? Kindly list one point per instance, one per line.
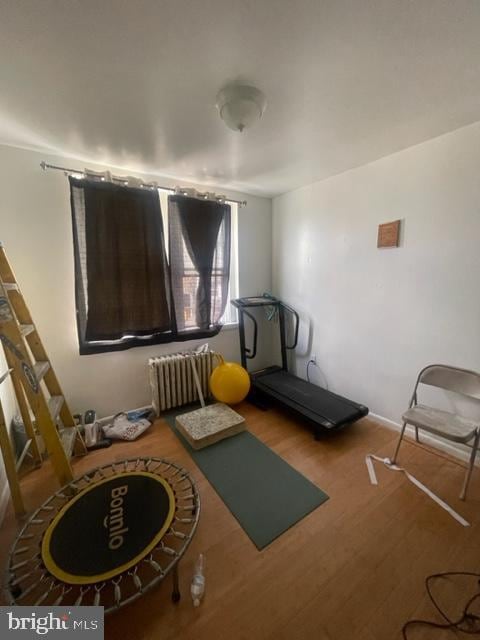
(352, 569)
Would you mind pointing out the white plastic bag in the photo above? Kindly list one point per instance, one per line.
(124, 429)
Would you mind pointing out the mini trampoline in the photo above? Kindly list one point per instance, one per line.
(106, 538)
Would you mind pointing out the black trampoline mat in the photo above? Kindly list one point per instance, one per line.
(316, 400)
(108, 527)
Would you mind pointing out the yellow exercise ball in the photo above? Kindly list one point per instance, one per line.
(229, 382)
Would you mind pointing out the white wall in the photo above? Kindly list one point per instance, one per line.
(379, 315)
(35, 227)
(9, 406)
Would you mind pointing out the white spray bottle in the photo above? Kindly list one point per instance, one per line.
(197, 588)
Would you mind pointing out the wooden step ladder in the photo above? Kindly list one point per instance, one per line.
(36, 386)
(10, 463)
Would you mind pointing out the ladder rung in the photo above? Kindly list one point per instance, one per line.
(67, 436)
(26, 329)
(21, 458)
(40, 369)
(5, 375)
(55, 404)
(10, 286)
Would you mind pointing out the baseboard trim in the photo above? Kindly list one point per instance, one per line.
(109, 419)
(456, 450)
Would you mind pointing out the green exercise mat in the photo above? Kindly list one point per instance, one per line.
(263, 492)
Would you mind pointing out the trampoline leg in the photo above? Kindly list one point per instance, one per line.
(176, 590)
(16, 591)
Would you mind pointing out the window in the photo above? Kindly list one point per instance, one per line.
(230, 315)
(129, 290)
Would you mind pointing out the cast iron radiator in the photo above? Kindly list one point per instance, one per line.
(171, 378)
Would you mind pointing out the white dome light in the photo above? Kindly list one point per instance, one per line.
(240, 106)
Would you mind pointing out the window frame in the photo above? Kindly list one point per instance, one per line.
(229, 319)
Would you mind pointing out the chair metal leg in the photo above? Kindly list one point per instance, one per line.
(416, 435)
(394, 459)
(468, 475)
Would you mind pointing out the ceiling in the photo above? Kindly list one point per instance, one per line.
(133, 83)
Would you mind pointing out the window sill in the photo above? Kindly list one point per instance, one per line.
(231, 326)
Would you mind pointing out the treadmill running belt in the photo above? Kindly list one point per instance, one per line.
(310, 399)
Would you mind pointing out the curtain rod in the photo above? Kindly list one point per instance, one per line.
(186, 191)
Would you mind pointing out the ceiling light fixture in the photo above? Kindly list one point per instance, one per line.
(240, 105)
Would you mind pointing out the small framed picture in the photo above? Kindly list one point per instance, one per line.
(389, 234)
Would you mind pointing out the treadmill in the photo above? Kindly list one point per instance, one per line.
(325, 410)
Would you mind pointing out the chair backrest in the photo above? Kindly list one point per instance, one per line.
(454, 379)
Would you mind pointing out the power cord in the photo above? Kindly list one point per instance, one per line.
(308, 365)
(468, 622)
(271, 313)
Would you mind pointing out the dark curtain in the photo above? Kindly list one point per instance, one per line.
(121, 270)
(199, 253)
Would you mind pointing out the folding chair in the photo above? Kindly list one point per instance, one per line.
(451, 426)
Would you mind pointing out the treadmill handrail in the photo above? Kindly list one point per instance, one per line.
(297, 325)
(251, 353)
